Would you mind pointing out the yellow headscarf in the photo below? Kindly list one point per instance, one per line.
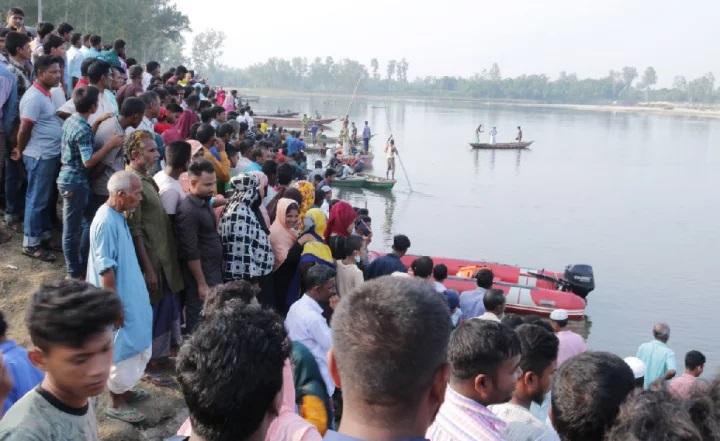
(316, 220)
(307, 190)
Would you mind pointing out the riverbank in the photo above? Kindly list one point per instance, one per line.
(655, 108)
(20, 276)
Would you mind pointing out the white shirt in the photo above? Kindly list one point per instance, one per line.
(146, 124)
(305, 324)
(439, 287)
(522, 425)
(170, 190)
(490, 316)
(146, 79)
(105, 105)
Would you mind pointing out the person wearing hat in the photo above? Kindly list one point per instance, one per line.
(571, 344)
(638, 369)
(453, 300)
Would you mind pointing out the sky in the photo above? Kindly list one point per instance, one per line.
(463, 37)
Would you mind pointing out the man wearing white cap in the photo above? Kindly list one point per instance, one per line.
(571, 344)
(638, 368)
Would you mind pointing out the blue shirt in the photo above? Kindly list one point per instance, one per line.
(331, 435)
(658, 359)
(76, 147)
(111, 247)
(37, 106)
(366, 132)
(10, 105)
(25, 376)
(384, 266)
(471, 303)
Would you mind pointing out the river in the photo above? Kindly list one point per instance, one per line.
(634, 195)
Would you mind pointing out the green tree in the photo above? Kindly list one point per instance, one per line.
(494, 73)
(392, 64)
(207, 48)
(375, 67)
(649, 79)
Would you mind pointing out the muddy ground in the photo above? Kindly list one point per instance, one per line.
(19, 277)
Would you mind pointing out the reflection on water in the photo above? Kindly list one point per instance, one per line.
(631, 194)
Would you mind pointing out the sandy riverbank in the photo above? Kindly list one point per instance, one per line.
(657, 108)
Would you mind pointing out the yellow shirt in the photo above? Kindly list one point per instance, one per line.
(263, 127)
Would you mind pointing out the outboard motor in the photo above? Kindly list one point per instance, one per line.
(580, 279)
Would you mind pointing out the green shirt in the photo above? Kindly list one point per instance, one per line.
(150, 222)
(39, 416)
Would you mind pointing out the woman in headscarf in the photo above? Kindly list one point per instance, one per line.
(244, 234)
(283, 239)
(340, 225)
(307, 190)
(315, 250)
(262, 177)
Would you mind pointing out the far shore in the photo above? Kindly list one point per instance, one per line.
(656, 108)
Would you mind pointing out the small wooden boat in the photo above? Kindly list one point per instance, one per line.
(277, 115)
(501, 145)
(350, 181)
(378, 183)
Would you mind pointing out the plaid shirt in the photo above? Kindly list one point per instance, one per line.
(76, 147)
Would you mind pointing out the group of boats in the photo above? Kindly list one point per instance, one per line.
(527, 290)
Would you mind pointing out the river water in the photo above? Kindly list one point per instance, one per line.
(634, 195)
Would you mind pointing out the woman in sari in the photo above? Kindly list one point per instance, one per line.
(284, 242)
(340, 225)
(315, 250)
(246, 246)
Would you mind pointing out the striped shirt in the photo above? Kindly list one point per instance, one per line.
(464, 419)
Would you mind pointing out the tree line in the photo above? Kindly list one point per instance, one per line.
(625, 85)
(152, 29)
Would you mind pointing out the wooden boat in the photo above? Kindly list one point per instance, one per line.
(277, 115)
(351, 181)
(501, 145)
(294, 122)
(378, 183)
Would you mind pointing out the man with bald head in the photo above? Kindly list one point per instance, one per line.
(659, 359)
(113, 265)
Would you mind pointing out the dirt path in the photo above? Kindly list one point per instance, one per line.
(19, 277)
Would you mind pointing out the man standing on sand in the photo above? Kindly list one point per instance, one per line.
(659, 359)
(199, 243)
(113, 265)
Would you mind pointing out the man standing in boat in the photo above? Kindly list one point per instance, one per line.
(390, 151)
(519, 135)
(493, 134)
(478, 131)
(366, 135)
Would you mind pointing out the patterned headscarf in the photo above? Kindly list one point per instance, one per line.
(307, 190)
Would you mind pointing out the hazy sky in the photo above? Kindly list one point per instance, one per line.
(461, 37)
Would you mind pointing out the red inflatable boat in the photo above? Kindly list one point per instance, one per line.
(527, 290)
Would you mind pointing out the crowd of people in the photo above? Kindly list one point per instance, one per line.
(200, 251)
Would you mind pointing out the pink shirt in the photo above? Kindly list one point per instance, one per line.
(681, 387)
(571, 344)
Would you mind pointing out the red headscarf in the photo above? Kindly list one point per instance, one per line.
(342, 215)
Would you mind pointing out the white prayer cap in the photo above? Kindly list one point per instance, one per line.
(559, 315)
(637, 366)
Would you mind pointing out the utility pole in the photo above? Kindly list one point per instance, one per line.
(39, 11)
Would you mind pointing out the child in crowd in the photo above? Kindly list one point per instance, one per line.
(71, 325)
